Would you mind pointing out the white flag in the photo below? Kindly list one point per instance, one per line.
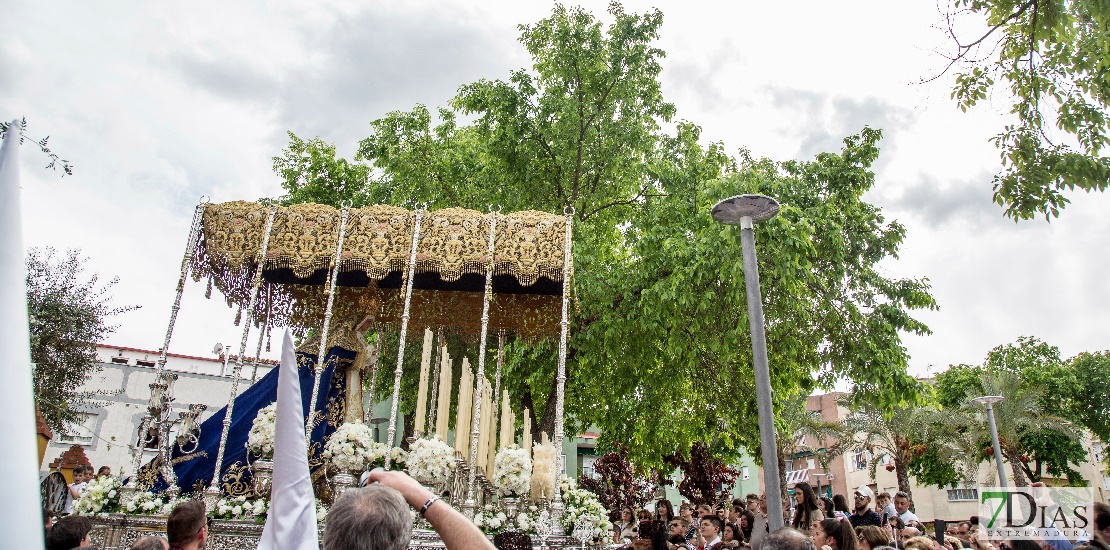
(20, 518)
(291, 521)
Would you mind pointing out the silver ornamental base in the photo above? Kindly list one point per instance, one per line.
(342, 482)
(511, 507)
(263, 471)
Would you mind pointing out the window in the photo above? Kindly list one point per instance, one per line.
(859, 460)
(144, 363)
(120, 360)
(963, 493)
(810, 464)
(744, 473)
(789, 466)
(80, 432)
(588, 466)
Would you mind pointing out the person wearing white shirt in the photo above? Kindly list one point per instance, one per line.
(902, 505)
(81, 474)
(711, 531)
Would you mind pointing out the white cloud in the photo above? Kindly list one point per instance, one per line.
(157, 104)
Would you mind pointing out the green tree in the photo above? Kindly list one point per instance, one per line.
(1051, 60)
(1040, 447)
(311, 172)
(920, 440)
(659, 322)
(69, 315)
(1091, 404)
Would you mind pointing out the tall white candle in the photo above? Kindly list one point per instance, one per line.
(443, 401)
(422, 387)
(527, 427)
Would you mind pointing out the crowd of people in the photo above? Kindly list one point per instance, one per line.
(871, 522)
(379, 516)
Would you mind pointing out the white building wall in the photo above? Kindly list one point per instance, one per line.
(123, 390)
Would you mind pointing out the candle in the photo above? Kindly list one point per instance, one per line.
(504, 439)
(527, 427)
(422, 388)
(443, 402)
(461, 424)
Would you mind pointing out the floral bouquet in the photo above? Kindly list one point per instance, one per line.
(147, 503)
(398, 458)
(491, 520)
(100, 498)
(241, 507)
(582, 508)
(321, 511)
(352, 448)
(528, 519)
(260, 440)
(512, 471)
(430, 460)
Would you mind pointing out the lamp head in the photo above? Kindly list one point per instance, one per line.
(733, 209)
(987, 399)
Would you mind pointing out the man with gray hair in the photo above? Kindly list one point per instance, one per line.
(151, 543)
(787, 538)
(377, 517)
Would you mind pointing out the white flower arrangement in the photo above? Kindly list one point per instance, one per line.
(260, 439)
(100, 498)
(321, 512)
(512, 472)
(580, 504)
(352, 448)
(527, 520)
(398, 458)
(241, 507)
(543, 472)
(491, 520)
(430, 460)
(147, 503)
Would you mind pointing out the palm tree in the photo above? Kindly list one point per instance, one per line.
(1019, 413)
(906, 433)
(801, 431)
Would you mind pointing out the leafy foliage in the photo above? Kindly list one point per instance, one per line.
(706, 478)
(1051, 58)
(659, 322)
(42, 144)
(1043, 404)
(69, 314)
(617, 484)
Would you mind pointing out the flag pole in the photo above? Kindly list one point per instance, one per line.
(20, 522)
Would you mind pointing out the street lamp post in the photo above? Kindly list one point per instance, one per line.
(989, 401)
(746, 211)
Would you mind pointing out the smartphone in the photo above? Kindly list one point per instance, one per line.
(939, 528)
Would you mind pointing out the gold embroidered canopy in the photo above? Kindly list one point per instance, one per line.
(452, 256)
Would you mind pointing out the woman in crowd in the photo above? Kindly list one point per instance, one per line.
(625, 528)
(918, 543)
(747, 521)
(835, 534)
(732, 537)
(806, 513)
(871, 537)
(840, 507)
(644, 515)
(664, 511)
(828, 507)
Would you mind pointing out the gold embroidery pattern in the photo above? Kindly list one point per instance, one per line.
(378, 240)
(233, 483)
(529, 245)
(303, 238)
(453, 241)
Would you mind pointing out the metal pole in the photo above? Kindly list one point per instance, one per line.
(997, 448)
(762, 376)
(409, 274)
(321, 354)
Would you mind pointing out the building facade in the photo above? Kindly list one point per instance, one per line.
(853, 469)
(108, 429)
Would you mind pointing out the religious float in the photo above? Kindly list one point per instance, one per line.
(345, 280)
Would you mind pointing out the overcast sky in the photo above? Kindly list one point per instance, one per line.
(157, 104)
